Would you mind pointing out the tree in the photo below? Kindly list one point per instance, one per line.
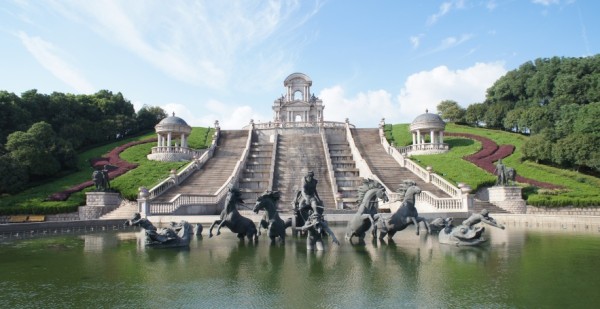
(13, 175)
(538, 148)
(148, 116)
(475, 113)
(450, 111)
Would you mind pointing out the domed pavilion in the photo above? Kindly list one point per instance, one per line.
(172, 146)
(428, 134)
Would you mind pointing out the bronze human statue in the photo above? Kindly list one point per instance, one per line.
(500, 172)
(469, 233)
(101, 179)
(316, 226)
(177, 235)
(310, 196)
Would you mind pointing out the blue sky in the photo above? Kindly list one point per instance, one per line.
(226, 60)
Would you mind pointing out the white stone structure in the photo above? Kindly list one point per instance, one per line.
(172, 146)
(508, 198)
(425, 125)
(298, 104)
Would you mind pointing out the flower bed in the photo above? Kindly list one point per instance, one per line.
(112, 159)
(490, 152)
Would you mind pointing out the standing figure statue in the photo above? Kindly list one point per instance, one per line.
(500, 171)
(101, 179)
(316, 226)
(106, 179)
(310, 196)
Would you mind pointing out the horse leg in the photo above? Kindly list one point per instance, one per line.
(223, 222)
(421, 219)
(210, 234)
(416, 223)
(391, 234)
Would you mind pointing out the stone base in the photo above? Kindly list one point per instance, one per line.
(98, 204)
(508, 198)
(170, 157)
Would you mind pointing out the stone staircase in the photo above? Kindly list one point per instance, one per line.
(479, 205)
(257, 171)
(298, 153)
(346, 174)
(384, 166)
(125, 211)
(216, 171)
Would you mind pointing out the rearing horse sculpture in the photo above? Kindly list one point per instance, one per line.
(273, 223)
(404, 216)
(231, 218)
(369, 194)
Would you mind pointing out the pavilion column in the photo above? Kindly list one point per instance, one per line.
(183, 141)
(414, 136)
(432, 134)
(418, 137)
(441, 137)
(158, 140)
(169, 139)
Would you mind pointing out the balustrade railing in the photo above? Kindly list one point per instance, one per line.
(441, 204)
(273, 160)
(196, 164)
(407, 150)
(332, 181)
(310, 124)
(178, 149)
(363, 168)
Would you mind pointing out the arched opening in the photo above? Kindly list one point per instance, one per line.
(298, 95)
(298, 118)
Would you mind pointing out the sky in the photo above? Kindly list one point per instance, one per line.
(227, 60)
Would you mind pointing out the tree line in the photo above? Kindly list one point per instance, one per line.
(40, 134)
(554, 100)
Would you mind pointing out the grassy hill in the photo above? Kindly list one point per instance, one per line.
(578, 189)
(148, 173)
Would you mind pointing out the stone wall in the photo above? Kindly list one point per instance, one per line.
(564, 211)
(508, 198)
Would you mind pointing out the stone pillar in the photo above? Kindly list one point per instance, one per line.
(432, 134)
(169, 139)
(414, 136)
(158, 139)
(508, 198)
(183, 141)
(143, 205)
(441, 137)
(418, 137)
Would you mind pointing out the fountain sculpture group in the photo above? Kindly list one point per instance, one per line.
(309, 219)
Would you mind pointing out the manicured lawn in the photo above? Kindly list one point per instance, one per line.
(579, 189)
(32, 200)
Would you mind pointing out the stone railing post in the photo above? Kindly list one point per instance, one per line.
(143, 204)
(466, 196)
(173, 175)
(429, 173)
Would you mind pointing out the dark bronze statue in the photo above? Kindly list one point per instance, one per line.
(468, 233)
(404, 216)
(272, 222)
(505, 174)
(101, 179)
(307, 201)
(317, 226)
(369, 193)
(177, 235)
(232, 219)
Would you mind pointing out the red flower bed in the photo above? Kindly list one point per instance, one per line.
(120, 167)
(490, 152)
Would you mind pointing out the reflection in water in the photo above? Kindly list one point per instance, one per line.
(515, 268)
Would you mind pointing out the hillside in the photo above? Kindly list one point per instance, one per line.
(577, 189)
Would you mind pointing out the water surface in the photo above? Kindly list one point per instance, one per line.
(517, 268)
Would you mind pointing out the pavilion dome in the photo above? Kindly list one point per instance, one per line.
(173, 124)
(428, 121)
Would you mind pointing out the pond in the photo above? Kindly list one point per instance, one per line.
(517, 268)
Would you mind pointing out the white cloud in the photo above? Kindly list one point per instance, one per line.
(201, 43)
(52, 59)
(229, 117)
(449, 42)
(426, 89)
(545, 2)
(445, 8)
(415, 40)
(363, 110)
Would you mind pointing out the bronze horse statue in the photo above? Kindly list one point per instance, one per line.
(404, 216)
(369, 194)
(272, 222)
(231, 218)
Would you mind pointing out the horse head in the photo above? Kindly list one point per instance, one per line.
(409, 195)
(267, 201)
(234, 197)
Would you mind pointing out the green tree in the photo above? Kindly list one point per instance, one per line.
(148, 116)
(450, 111)
(538, 148)
(475, 113)
(14, 176)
